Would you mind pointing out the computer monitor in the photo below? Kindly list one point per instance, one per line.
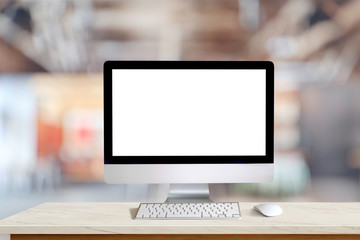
(188, 122)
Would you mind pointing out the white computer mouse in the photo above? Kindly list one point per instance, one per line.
(269, 210)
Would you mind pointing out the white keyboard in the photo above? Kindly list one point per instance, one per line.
(188, 211)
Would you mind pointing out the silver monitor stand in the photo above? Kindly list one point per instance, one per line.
(189, 193)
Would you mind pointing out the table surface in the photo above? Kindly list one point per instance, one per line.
(118, 218)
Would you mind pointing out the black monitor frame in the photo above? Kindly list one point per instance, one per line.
(108, 124)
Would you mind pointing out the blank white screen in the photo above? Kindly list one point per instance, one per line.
(188, 112)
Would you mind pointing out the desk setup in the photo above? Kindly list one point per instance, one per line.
(110, 221)
(188, 124)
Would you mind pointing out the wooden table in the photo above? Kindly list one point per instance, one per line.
(115, 221)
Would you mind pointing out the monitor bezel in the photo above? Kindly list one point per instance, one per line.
(109, 66)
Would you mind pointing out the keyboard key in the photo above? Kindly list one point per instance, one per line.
(183, 215)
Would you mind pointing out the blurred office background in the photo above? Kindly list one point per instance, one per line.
(51, 56)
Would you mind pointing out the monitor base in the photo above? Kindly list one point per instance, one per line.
(189, 193)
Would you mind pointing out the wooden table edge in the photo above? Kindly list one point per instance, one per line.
(184, 236)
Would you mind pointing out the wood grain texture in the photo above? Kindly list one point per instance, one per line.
(117, 218)
(187, 237)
